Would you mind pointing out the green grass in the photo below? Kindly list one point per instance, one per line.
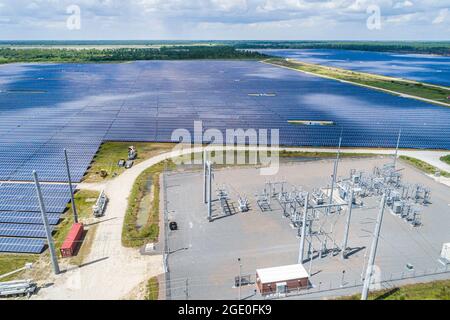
(152, 289)
(301, 154)
(417, 89)
(12, 262)
(111, 152)
(84, 200)
(132, 237)
(282, 154)
(424, 166)
(446, 159)
(437, 290)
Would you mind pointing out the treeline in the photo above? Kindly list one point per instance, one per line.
(438, 48)
(9, 55)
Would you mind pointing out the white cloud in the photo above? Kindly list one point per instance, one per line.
(442, 16)
(403, 4)
(105, 19)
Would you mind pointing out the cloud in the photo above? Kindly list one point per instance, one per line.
(442, 16)
(105, 19)
(403, 4)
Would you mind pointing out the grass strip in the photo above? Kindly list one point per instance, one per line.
(152, 289)
(11, 262)
(446, 159)
(133, 237)
(110, 153)
(424, 166)
(437, 290)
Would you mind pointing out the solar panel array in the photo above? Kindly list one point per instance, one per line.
(46, 108)
(20, 216)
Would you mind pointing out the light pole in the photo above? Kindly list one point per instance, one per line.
(397, 149)
(347, 225)
(51, 244)
(303, 231)
(373, 250)
(335, 172)
(343, 279)
(240, 278)
(74, 207)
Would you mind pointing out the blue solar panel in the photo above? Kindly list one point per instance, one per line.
(22, 230)
(23, 197)
(22, 245)
(27, 217)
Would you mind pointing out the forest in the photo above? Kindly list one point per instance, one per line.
(10, 55)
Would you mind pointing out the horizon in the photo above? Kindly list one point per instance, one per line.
(217, 40)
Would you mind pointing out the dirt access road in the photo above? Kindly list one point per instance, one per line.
(112, 272)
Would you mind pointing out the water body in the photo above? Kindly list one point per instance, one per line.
(423, 68)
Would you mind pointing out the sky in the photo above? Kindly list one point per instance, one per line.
(225, 20)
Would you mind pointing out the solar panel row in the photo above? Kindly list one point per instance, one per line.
(22, 245)
(22, 230)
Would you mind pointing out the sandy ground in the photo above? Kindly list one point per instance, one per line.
(114, 272)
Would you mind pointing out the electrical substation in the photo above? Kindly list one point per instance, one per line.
(349, 224)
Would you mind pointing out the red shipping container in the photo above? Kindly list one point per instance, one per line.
(73, 238)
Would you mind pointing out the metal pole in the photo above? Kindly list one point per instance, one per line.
(303, 235)
(343, 279)
(373, 250)
(187, 289)
(209, 191)
(72, 199)
(397, 149)
(336, 164)
(51, 245)
(310, 265)
(205, 179)
(240, 278)
(347, 226)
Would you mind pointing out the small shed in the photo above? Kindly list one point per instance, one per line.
(281, 280)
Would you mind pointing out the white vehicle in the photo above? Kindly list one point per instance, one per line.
(132, 153)
(16, 288)
(99, 208)
(445, 254)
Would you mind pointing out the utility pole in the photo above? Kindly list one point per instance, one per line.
(303, 235)
(240, 278)
(205, 178)
(373, 250)
(209, 164)
(397, 149)
(310, 264)
(72, 199)
(51, 245)
(335, 170)
(187, 289)
(347, 225)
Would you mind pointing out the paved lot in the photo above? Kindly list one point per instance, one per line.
(204, 256)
